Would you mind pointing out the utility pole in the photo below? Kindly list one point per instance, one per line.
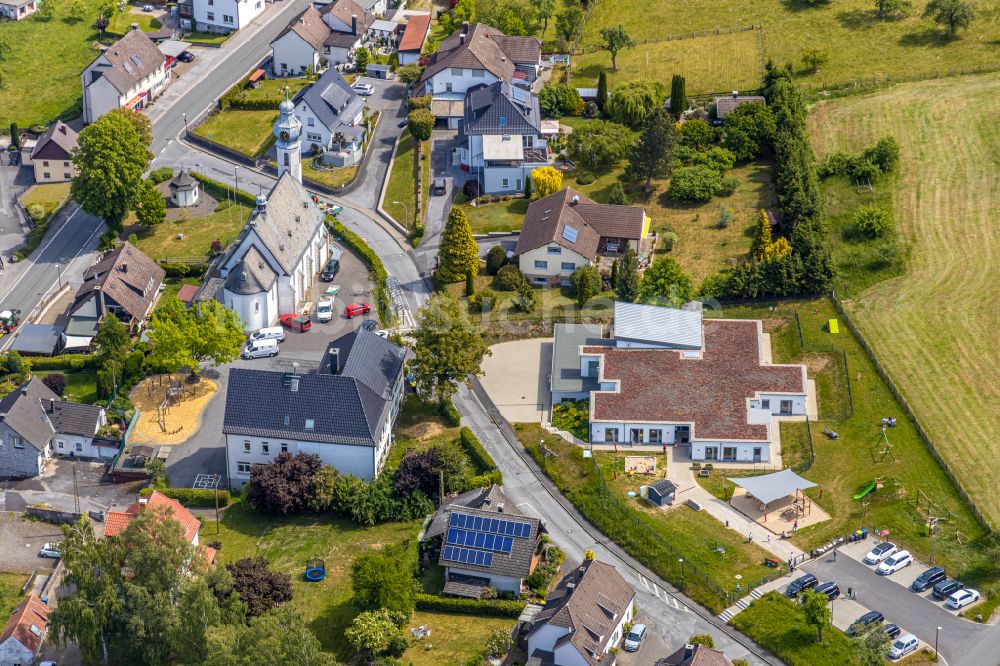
(441, 486)
(76, 490)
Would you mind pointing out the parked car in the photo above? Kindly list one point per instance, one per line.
(331, 270)
(269, 333)
(355, 309)
(439, 187)
(186, 56)
(147, 8)
(363, 88)
(260, 349)
(863, 624)
(928, 579)
(903, 646)
(880, 552)
(963, 598)
(296, 322)
(49, 550)
(895, 562)
(800, 584)
(634, 638)
(830, 589)
(324, 310)
(946, 588)
(891, 630)
(369, 324)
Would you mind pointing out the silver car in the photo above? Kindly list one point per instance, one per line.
(634, 638)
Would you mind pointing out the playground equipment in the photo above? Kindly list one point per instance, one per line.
(315, 570)
(833, 326)
(874, 484)
(883, 448)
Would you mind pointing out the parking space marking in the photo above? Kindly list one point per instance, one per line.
(663, 595)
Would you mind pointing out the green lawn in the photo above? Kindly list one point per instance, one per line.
(81, 385)
(859, 45)
(42, 66)
(247, 132)
(121, 22)
(402, 183)
(332, 178)
(173, 285)
(710, 64)
(275, 88)
(10, 591)
(207, 38)
(453, 640)
(48, 195)
(502, 216)
(288, 542)
(198, 233)
(780, 626)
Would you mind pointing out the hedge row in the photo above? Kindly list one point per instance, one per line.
(491, 478)
(184, 270)
(449, 414)
(238, 103)
(482, 460)
(481, 607)
(62, 362)
(191, 496)
(221, 191)
(356, 243)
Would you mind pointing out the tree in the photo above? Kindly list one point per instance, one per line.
(46, 9)
(873, 221)
(372, 631)
(496, 257)
(586, 283)
(749, 130)
(872, 648)
(589, 555)
(459, 253)
(361, 58)
(817, 611)
(508, 278)
(15, 135)
(697, 134)
(282, 636)
(599, 145)
(76, 9)
(664, 283)
(813, 59)
(546, 9)
(262, 589)
(418, 472)
(324, 489)
(111, 344)
(56, 382)
(420, 122)
(384, 579)
(209, 334)
(151, 207)
(615, 39)
(884, 8)
(653, 154)
(529, 191)
(884, 154)
(953, 13)
(678, 95)
(498, 643)
(627, 284)
(548, 180)
(526, 299)
(559, 99)
(284, 486)
(409, 74)
(602, 90)
(617, 196)
(111, 159)
(140, 121)
(694, 184)
(569, 23)
(761, 236)
(14, 363)
(702, 639)
(448, 348)
(631, 102)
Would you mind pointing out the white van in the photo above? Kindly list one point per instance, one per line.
(261, 349)
(271, 333)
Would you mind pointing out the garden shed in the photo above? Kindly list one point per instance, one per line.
(662, 493)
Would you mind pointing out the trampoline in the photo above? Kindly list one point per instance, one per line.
(315, 570)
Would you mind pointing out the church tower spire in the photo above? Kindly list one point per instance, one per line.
(288, 130)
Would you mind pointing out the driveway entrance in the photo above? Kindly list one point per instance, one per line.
(517, 378)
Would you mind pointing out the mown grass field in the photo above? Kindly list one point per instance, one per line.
(42, 66)
(453, 638)
(247, 132)
(164, 241)
(934, 329)
(859, 45)
(402, 181)
(10, 591)
(49, 196)
(121, 22)
(712, 63)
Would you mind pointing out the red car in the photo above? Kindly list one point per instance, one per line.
(296, 322)
(355, 309)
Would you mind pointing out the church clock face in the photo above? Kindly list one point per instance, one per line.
(284, 135)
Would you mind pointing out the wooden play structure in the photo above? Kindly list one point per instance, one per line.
(170, 408)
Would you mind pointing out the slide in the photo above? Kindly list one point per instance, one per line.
(867, 489)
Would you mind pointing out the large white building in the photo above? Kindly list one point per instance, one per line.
(129, 74)
(223, 16)
(318, 38)
(343, 413)
(333, 117)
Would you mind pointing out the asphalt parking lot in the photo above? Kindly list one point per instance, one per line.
(55, 488)
(20, 541)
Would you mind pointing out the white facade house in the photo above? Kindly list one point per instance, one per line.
(333, 119)
(344, 413)
(129, 74)
(184, 189)
(319, 38)
(15, 10)
(583, 618)
(224, 16)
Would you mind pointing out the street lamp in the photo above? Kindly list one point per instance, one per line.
(59, 275)
(406, 211)
(937, 635)
(681, 560)
(186, 132)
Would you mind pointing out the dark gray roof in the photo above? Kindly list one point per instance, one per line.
(663, 486)
(501, 108)
(567, 340)
(251, 275)
(183, 181)
(82, 326)
(74, 418)
(333, 100)
(37, 339)
(486, 499)
(517, 563)
(22, 410)
(343, 40)
(371, 360)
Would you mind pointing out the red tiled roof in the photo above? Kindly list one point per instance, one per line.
(208, 554)
(658, 385)
(415, 33)
(29, 612)
(187, 293)
(115, 522)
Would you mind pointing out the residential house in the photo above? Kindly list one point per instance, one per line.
(500, 137)
(115, 522)
(343, 413)
(317, 38)
(583, 618)
(669, 377)
(415, 33)
(52, 156)
(726, 105)
(35, 424)
(24, 633)
(15, 10)
(566, 230)
(223, 16)
(478, 54)
(349, 23)
(129, 74)
(270, 266)
(376, 8)
(696, 655)
(333, 119)
(484, 543)
(124, 282)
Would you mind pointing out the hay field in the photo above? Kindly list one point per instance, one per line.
(935, 329)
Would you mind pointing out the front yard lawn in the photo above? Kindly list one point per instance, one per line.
(81, 385)
(337, 177)
(247, 132)
(10, 591)
(502, 216)
(50, 196)
(454, 639)
(164, 240)
(207, 38)
(275, 88)
(402, 181)
(121, 22)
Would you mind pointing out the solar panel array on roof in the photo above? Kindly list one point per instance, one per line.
(502, 526)
(460, 537)
(479, 558)
(570, 233)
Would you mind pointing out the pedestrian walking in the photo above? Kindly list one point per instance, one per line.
(749, 537)
(834, 555)
(849, 592)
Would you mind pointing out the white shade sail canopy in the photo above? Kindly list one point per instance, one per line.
(770, 487)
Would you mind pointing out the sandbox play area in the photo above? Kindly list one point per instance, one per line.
(170, 408)
(640, 465)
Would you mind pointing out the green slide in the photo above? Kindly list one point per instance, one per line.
(867, 489)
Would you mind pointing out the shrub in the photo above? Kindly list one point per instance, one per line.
(702, 639)
(498, 643)
(729, 185)
(573, 417)
(14, 364)
(558, 100)
(56, 383)
(694, 184)
(495, 259)
(285, 485)
(599, 145)
(195, 497)
(449, 414)
(460, 606)
(184, 270)
(873, 221)
(632, 101)
(697, 134)
(526, 299)
(37, 213)
(422, 102)
(161, 175)
(617, 196)
(508, 278)
(62, 362)
(471, 189)
(473, 448)
(669, 240)
(585, 178)
(484, 301)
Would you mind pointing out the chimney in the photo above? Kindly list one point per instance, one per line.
(354, 24)
(143, 500)
(52, 405)
(569, 588)
(334, 361)
(465, 27)
(500, 507)
(575, 200)
(124, 267)
(736, 93)
(688, 651)
(461, 38)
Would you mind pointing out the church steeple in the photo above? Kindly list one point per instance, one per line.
(288, 130)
